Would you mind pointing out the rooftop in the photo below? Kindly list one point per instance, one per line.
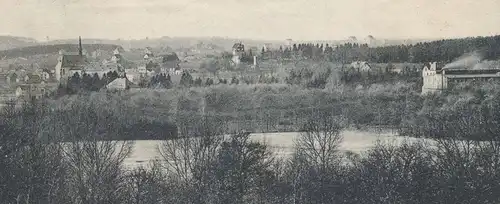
(170, 57)
(73, 60)
(468, 76)
(471, 71)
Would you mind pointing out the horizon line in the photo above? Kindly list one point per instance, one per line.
(245, 38)
(251, 39)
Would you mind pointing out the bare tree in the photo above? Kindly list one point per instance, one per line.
(189, 157)
(318, 143)
(242, 171)
(316, 158)
(95, 161)
(31, 168)
(147, 185)
(393, 173)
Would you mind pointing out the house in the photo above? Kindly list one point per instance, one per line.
(116, 56)
(170, 61)
(134, 76)
(148, 53)
(30, 91)
(435, 78)
(361, 66)
(142, 70)
(43, 73)
(12, 78)
(33, 87)
(120, 84)
(238, 52)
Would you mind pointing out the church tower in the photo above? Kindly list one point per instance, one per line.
(80, 49)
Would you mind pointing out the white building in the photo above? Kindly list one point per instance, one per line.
(118, 84)
(432, 78)
(436, 79)
(361, 66)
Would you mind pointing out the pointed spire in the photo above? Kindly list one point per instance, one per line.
(80, 50)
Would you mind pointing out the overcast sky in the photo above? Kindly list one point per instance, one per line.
(258, 19)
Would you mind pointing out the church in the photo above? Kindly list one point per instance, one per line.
(70, 63)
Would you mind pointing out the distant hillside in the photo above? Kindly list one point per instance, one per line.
(174, 43)
(10, 42)
(178, 43)
(54, 49)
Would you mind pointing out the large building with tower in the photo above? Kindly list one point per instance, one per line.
(238, 52)
(70, 63)
(436, 78)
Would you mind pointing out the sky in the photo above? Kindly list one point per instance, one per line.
(255, 19)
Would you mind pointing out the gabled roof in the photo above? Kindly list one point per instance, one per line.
(24, 87)
(73, 61)
(120, 82)
(471, 76)
(170, 57)
(12, 75)
(34, 79)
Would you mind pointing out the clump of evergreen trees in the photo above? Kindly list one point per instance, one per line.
(160, 81)
(85, 83)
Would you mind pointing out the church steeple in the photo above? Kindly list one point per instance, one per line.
(80, 49)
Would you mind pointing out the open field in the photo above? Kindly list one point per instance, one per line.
(354, 141)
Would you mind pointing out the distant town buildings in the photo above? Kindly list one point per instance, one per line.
(30, 91)
(267, 46)
(165, 63)
(352, 39)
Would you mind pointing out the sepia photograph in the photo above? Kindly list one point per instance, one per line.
(249, 102)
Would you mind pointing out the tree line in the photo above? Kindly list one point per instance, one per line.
(442, 50)
(280, 107)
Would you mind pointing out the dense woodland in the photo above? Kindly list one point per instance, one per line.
(89, 167)
(443, 51)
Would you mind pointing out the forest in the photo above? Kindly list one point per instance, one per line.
(442, 51)
(202, 167)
